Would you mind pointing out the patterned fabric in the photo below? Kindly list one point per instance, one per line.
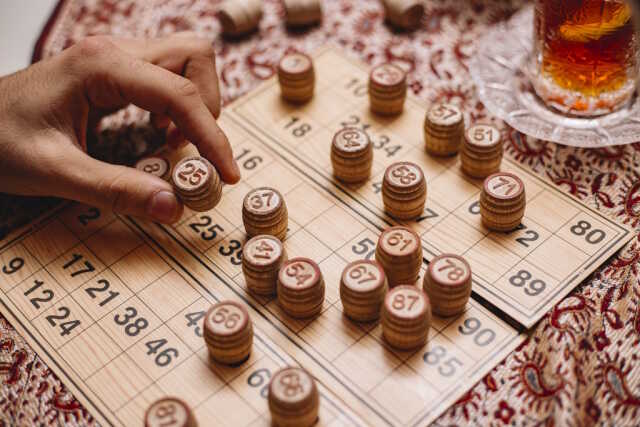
(578, 367)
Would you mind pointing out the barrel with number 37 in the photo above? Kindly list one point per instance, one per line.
(264, 211)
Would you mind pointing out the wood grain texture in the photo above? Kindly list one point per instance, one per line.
(171, 276)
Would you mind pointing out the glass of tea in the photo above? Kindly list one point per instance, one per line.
(584, 60)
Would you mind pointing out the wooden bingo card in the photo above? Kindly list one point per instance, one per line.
(115, 306)
(555, 225)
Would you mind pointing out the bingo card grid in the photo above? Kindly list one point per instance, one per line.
(159, 275)
(517, 272)
(68, 288)
(105, 358)
(322, 229)
(209, 246)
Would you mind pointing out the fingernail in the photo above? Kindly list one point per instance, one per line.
(163, 207)
(236, 168)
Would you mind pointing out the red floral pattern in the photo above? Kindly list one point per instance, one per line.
(579, 365)
(504, 412)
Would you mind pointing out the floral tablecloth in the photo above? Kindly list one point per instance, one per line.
(579, 365)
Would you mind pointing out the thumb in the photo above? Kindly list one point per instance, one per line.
(123, 189)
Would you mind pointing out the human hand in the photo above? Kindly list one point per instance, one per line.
(47, 109)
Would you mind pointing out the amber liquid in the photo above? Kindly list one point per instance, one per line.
(587, 47)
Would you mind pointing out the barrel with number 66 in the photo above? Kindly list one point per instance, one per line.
(228, 332)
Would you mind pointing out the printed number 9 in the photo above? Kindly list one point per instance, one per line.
(14, 265)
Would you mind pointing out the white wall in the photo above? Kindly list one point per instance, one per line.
(21, 22)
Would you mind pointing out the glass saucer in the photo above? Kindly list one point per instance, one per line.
(499, 71)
